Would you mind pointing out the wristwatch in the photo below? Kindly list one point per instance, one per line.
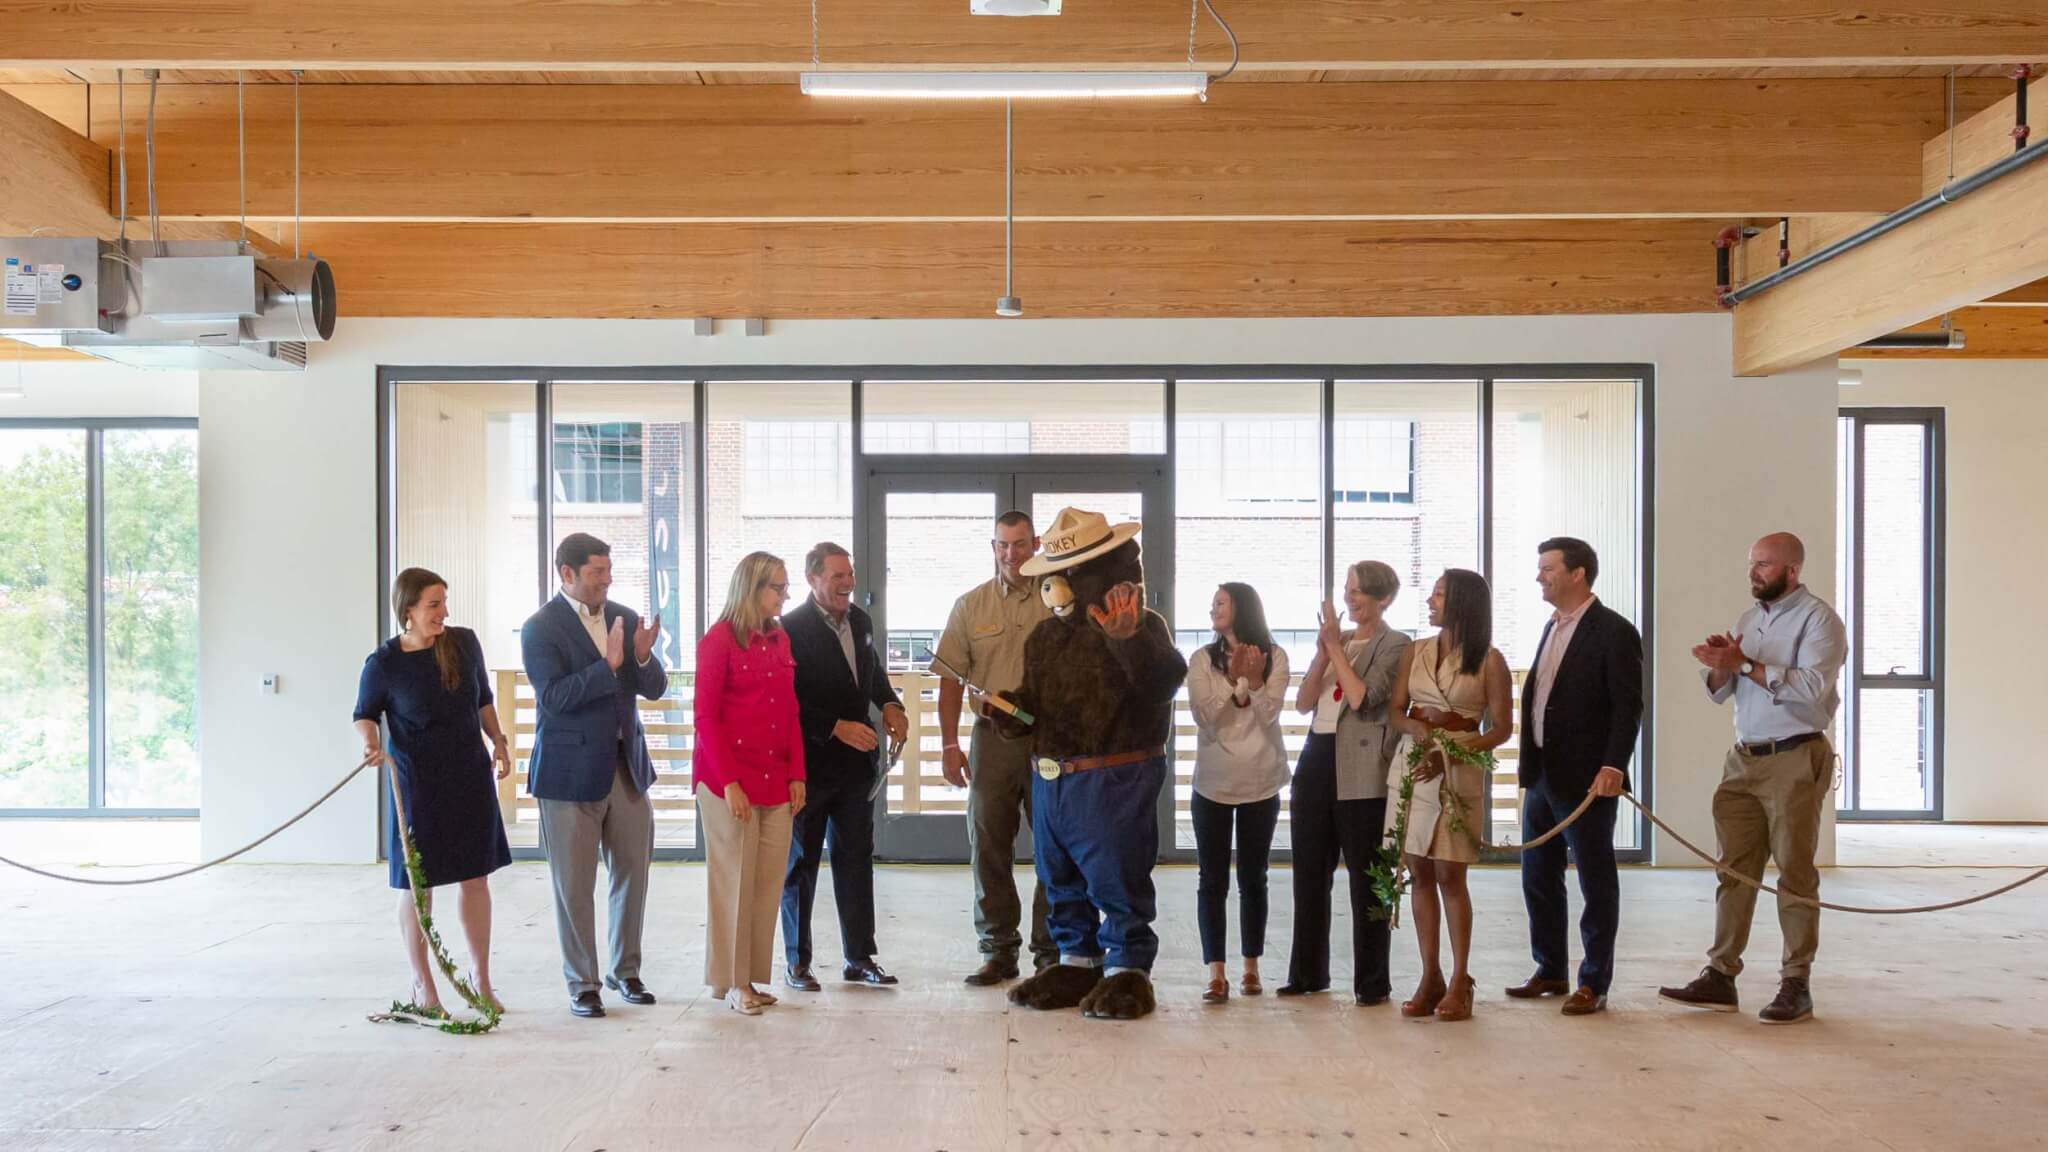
(1748, 668)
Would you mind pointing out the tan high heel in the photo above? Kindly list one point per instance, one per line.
(1427, 996)
(1457, 1004)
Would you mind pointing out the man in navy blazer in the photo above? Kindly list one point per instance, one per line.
(1582, 707)
(840, 681)
(588, 659)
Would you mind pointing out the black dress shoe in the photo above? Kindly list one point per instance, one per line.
(994, 971)
(631, 989)
(1293, 989)
(866, 972)
(586, 1004)
(799, 977)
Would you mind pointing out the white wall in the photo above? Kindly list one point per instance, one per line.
(288, 502)
(1997, 548)
(65, 389)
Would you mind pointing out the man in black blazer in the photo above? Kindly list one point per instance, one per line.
(840, 681)
(1582, 706)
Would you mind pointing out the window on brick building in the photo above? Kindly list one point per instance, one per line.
(793, 466)
(1374, 462)
(947, 437)
(598, 463)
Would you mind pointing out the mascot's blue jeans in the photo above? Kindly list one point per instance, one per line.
(1096, 837)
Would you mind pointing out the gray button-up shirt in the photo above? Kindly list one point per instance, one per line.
(1801, 644)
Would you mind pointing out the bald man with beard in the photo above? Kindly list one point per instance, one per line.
(1780, 666)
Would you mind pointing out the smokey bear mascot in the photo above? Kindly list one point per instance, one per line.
(1099, 680)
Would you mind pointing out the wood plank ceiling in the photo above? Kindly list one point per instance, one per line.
(653, 158)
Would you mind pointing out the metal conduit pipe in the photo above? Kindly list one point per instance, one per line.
(1947, 194)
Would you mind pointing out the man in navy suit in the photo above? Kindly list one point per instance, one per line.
(588, 659)
(840, 681)
(1582, 706)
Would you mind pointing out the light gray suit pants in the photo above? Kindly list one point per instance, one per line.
(574, 835)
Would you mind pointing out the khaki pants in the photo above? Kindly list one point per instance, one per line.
(743, 866)
(998, 804)
(1769, 807)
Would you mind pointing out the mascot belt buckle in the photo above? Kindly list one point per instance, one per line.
(1048, 768)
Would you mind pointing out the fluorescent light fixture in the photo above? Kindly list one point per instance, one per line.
(1003, 85)
(1014, 7)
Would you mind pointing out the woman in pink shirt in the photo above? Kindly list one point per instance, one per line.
(749, 766)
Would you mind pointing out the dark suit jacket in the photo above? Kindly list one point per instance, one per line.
(1595, 707)
(827, 692)
(586, 709)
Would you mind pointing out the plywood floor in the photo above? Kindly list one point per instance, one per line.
(226, 1012)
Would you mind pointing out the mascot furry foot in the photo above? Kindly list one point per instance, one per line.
(1058, 986)
(1124, 996)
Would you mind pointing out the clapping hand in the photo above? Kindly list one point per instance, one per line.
(1721, 653)
(644, 638)
(1118, 616)
(615, 643)
(1247, 663)
(1329, 634)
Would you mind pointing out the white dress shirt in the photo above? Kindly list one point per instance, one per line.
(1240, 755)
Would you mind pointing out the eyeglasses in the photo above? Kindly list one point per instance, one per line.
(780, 589)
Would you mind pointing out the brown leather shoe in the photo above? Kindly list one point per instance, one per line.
(1250, 985)
(1537, 986)
(1218, 992)
(995, 971)
(1584, 1002)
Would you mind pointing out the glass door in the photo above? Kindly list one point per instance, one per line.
(929, 522)
(1889, 592)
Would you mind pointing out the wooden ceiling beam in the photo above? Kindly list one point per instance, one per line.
(663, 153)
(826, 271)
(50, 177)
(736, 35)
(1990, 242)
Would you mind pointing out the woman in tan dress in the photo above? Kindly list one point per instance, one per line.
(1455, 682)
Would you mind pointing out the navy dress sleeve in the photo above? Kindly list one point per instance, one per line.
(370, 691)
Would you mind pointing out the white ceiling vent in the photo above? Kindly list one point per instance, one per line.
(1014, 7)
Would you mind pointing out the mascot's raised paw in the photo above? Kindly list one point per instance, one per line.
(1058, 986)
(1124, 996)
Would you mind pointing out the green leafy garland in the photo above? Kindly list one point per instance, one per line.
(488, 1013)
(1388, 873)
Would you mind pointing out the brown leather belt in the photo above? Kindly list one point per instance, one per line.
(1050, 768)
(1772, 747)
(1448, 721)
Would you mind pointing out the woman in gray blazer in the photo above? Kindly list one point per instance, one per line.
(1338, 802)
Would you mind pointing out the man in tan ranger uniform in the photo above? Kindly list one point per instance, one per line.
(984, 641)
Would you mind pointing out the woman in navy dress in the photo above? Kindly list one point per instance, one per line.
(429, 686)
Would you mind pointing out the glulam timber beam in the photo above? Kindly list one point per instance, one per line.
(665, 153)
(737, 35)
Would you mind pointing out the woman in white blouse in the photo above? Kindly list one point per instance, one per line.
(1236, 687)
